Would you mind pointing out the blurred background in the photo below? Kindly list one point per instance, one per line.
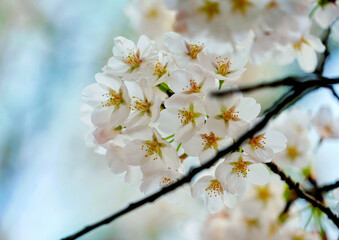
(51, 183)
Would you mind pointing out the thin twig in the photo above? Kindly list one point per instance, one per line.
(301, 194)
(275, 109)
(313, 80)
(334, 93)
(329, 187)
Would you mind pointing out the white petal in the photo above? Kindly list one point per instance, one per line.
(258, 174)
(109, 81)
(307, 59)
(168, 122)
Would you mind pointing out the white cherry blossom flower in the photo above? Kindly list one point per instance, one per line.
(130, 60)
(263, 146)
(149, 151)
(183, 116)
(164, 178)
(150, 17)
(325, 124)
(213, 194)
(231, 115)
(226, 66)
(184, 51)
(145, 105)
(304, 48)
(110, 100)
(205, 144)
(264, 201)
(237, 169)
(163, 67)
(295, 120)
(105, 134)
(192, 80)
(326, 13)
(296, 153)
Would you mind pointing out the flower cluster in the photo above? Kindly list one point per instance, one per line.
(272, 29)
(257, 216)
(150, 110)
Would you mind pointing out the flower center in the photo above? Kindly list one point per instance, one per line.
(228, 115)
(292, 152)
(211, 9)
(153, 148)
(210, 141)
(187, 116)
(223, 66)
(298, 237)
(214, 189)
(166, 181)
(152, 13)
(263, 193)
(241, 6)
(133, 60)
(159, 70)
(297, 45)
(328, 129)
(194, 49)
(258, 141)
(272, 4)
(141, 105)
(113, 99)
(240, 167)
(192, 88)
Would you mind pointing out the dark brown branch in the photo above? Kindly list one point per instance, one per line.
(275, 109)
(301, 194)
(329, 187)
(312, 80)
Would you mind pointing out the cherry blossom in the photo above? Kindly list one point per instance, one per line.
(296, 153)
(228, 66)
(205, 143)
(304, 48)
(130, 60)
(193, 80)
(145, 105)
(183, 116)
(263, 146)
(237, 169)
(232, 115)
(163, 67)
(184, 51)
(153, 182)
(213, 194)
(264, 201)
(110, 100)
(149, 151)
(326, 125)
(150, 17)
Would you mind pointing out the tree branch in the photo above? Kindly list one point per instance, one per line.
(329, 187)
(297, 91)
(313, 80)
(301, 194)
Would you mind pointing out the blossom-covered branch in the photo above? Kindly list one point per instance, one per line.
(297, 91)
